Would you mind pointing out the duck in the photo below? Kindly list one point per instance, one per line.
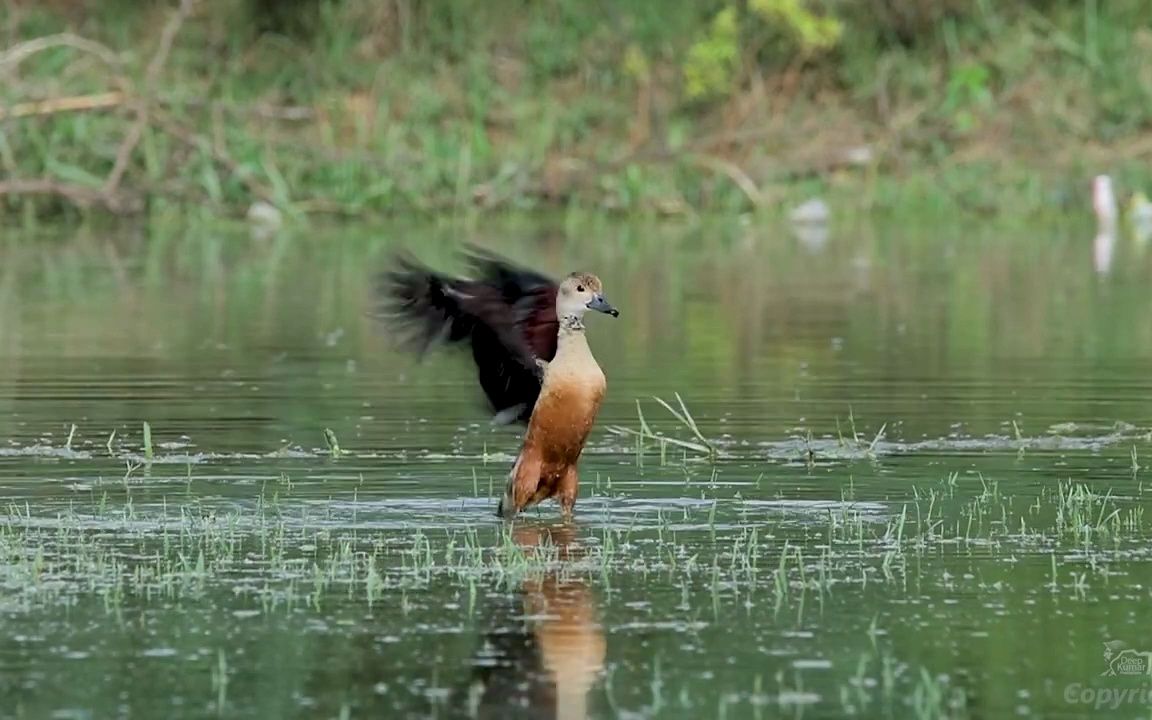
(534, 365)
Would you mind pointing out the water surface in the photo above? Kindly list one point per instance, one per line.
(927, 497)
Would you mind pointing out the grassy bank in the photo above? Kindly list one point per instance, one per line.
(351, 106)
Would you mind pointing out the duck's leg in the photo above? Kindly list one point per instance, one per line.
(567, 490)
(523, 482)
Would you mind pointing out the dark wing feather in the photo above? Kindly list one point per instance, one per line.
(507, 315)
(531, 296)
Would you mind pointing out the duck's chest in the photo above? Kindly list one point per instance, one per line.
(576, 389)
(568, 404)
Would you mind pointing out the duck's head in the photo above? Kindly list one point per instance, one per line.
(580, 292)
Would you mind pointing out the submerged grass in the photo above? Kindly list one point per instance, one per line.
(645, 437)
(718, 563)
(823, 602)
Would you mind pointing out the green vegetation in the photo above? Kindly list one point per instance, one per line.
(354, 106)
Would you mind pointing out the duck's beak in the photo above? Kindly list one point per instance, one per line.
(599, 304)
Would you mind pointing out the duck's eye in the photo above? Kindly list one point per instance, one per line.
(579, 288)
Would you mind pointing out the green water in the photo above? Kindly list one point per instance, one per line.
(928, 498)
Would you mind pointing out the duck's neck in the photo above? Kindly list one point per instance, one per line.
(570, 324)
(571, 336)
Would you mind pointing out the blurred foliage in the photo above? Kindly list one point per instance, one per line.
(431, 104)
(812, 31)
(967, 91)
(711, 62)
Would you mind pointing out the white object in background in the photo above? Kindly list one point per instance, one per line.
(813, 236)
(1104, 203)
(1107, 212)
(264, 219)
(813, 211)
(1140, 217)
(810, 224)
(1103, 249)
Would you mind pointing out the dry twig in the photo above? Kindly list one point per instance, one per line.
(78, 195)
(143, 103)
(734, 173)
(77, 103)
(109, 196)
(20, 52)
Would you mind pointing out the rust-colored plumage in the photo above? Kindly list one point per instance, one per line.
(557, 431)
(534, 363)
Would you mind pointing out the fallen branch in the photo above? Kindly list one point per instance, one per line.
(143, 108)
(103, 101)
(20, 52)
(78, 195)
(78, 103)
(733, 172)
(264, 111)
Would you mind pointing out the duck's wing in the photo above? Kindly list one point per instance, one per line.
(507, 314)
(532, 296)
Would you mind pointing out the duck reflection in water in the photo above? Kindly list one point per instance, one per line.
(546, 649)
